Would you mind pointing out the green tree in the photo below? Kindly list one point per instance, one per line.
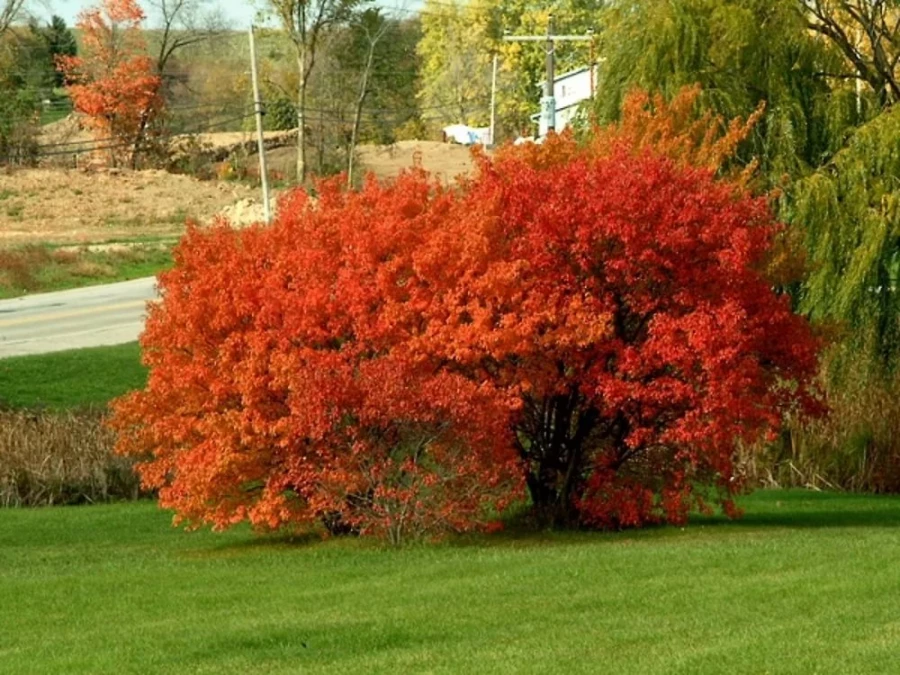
(455, 49)
(849, 211)
(59, 41)
(742, 52)
(369, 28)
(390, 100)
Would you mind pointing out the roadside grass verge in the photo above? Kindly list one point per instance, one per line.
(54, 447)
(805, 583)
(77, 378)
(37, 268)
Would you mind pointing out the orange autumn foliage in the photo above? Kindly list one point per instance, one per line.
(591, 326)
(113, 83)
(676, 130)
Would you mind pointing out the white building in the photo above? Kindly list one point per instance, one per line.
(570, 90)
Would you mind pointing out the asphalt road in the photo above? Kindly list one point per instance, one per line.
(84, 317)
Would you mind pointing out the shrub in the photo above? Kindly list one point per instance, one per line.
(591, 322)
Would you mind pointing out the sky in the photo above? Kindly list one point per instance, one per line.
(238, 12)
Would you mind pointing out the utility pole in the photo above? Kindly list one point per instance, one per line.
(261, 143)
(548, 102)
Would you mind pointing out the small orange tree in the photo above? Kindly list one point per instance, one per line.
(591, 322)
(112, 82)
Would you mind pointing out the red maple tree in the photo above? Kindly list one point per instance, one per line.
(113, 82)
(590, 322)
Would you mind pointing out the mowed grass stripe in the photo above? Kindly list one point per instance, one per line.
(806, 583)
(71, 379)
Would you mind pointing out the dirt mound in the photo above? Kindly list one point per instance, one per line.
(245, 212)
(82, 207)
(386, 161)
(444, 159)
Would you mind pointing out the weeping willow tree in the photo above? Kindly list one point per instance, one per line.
(742, 52)
(849, 211)
(849, 214)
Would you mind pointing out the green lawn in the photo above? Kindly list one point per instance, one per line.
(71, 379)
(807, 583)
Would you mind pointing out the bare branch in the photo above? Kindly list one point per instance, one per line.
(10, 10)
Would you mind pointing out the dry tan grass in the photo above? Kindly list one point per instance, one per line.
(49, 458)
(386, 161)
(74, 207)
(855, 447)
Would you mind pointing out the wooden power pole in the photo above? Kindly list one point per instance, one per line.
(548, 101)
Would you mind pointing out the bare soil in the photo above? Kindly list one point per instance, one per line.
(75, 207)
(69, 206)
(386, 161)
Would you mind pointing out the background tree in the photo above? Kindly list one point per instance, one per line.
(182, 23)
(742, 52)
(60, 42)
(391, 102)
(867, 33)
(305, 21)
(455, 50)
(27, 77)
(370, 27)
(10, 11)
(850, 214)
(113, 82)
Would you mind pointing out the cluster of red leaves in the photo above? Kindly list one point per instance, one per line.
(592, 324)
(113, 83)
(281, 390)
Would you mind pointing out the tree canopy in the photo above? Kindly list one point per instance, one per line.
(742, 53)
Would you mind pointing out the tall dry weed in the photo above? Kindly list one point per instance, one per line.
(49, 458)
(19, 267)
(856, 447)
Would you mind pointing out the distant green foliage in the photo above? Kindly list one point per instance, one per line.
(391, 93)
(742, 52)
(850, 214)
(19, 122)
(59, 41)
(281, 114)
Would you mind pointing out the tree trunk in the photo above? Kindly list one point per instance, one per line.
(363, 91)
(557, 434)
(301, 115)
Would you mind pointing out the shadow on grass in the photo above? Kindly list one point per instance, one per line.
(254, 543)
(777, 510)
(811, 519)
